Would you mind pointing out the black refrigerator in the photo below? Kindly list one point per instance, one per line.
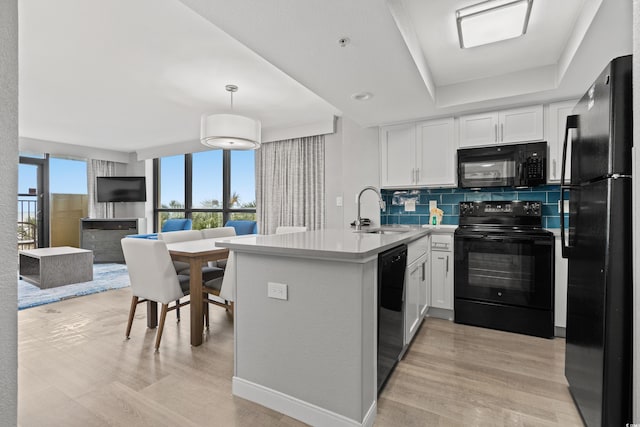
(598, 245)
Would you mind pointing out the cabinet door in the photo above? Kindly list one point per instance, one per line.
(441, 280)
(478, 129)
(558, 113)
(436, 153)
(397, 155)
(412, 299)
(521, 124)
(425, 286)
(560, 309)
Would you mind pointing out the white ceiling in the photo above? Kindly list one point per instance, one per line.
(133, 75)
(127, 75)
(550, 24)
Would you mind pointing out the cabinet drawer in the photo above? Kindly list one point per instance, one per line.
(441, 242)
(417, 248)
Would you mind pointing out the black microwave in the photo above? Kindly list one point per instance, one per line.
(515, 165)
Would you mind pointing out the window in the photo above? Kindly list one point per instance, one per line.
(67, 176)
(172, 178)
(210, 187)
(242, 185)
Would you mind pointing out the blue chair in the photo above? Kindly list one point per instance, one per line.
(243, 226)
(176, 224)
(172, 224)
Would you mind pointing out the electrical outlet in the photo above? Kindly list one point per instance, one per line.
(566, 206)
(339, 201)
(277, 290)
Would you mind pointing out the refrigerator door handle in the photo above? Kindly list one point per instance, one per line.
(572, 123)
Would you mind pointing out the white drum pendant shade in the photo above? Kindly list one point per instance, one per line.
(230, 132)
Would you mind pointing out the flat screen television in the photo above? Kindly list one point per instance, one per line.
(121, 189)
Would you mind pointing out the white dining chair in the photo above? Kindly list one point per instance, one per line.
(180, 236)
(221, 287)
(213, 287)
(212, 233)
(288, 229)
(209, 272)
(153, 278)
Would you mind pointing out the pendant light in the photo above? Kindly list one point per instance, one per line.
(230, 131)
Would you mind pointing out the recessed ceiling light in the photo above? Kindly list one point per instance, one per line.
(492, 21)
(343, 41)
(362, 96)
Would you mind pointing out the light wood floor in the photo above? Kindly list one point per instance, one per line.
(76, 369)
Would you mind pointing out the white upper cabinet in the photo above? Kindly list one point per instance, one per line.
(421, 154)
(522, 124)
(397, 155)
(436, 153)
(478, 129)
(506, 126)
(557, 119)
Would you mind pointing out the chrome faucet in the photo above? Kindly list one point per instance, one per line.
(382, 204)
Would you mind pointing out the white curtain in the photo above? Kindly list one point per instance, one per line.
(97, 168)
(290, 184)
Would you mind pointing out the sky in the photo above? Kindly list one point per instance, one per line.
(70, 177)
(66, 176)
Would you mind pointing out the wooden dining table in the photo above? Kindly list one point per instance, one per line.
(197, 253)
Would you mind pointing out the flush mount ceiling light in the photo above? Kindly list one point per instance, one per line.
(362, 96)
(492, 21)
(230, 131)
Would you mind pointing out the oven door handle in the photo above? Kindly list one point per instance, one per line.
(509, 239)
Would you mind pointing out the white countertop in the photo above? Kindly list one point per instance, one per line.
(333, 243)
(440, 228)
(329, 243)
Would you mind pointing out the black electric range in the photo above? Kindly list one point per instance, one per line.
(504, 267)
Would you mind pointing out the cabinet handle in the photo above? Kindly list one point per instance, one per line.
(413, 174)
(495, 133)
(423, 273)
(447, 264)
(417, 175)
(554, 167)
(501, 131)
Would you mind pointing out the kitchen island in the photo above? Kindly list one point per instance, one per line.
(309, 349)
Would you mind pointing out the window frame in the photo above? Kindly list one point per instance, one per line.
(188, 189)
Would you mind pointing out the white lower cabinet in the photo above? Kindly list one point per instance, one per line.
(425, 286)
(414, 284)
(561, 266)
(442, 271)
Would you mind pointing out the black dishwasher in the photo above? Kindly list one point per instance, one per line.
(391, 268)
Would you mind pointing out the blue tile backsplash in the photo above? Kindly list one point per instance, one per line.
(449, 198)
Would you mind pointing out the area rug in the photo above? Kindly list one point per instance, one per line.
(105, 277)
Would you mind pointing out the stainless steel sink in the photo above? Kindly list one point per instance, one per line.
(384, 231)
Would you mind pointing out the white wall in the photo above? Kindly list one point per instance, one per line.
(351, 163)
(8, 211)
(133, 209)
(58, 149)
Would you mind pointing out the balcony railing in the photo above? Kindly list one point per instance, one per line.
(27, 227)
